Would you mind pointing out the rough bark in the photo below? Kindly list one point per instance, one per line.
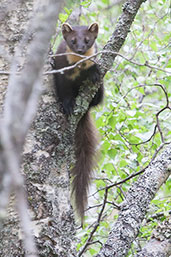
(50, 209)
(12, 26)
(160, 243)
(130, 9)
(135, 206)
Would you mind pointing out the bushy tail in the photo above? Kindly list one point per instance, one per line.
(86, 142)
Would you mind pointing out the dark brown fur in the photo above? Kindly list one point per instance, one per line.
(67, 87)
(86, 142)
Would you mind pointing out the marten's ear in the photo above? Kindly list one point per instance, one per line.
(66, 28)
(94, 28)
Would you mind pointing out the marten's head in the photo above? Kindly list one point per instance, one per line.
(80, 38)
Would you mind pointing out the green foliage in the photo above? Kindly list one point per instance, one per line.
(64, 16)
(131, 128)
(85, 3)
(159, 211)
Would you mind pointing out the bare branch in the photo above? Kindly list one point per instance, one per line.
(157, 125)
(84, 59)
(88, 242)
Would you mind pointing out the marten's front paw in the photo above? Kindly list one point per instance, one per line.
(68, 106)
(95, 74)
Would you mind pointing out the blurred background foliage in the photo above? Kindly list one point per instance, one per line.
(134, 121)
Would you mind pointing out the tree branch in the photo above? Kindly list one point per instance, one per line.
(84, 59)
(88, 242)
(160, 244)
(134, 208)
(130, 9)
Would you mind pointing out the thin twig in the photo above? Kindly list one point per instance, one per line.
(84, 59)
(88, 242)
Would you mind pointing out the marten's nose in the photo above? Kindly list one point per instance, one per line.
(80, 51)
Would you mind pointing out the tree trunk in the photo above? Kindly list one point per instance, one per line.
(45, 172)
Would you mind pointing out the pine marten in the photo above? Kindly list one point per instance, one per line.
(79, 40)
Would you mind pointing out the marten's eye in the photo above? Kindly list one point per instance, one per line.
(73, 41)
(86, 40)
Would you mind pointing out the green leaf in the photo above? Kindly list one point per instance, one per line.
(92, 251)
(123, 163)
(68, 11)
(63, 17)
(154, 45)
(108, 167)
(141, 90)
(112, 121)
(112, 153)
(105, 146)
(134, 140)
(86, 3)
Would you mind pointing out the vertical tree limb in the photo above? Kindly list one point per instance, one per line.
(20, 107)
